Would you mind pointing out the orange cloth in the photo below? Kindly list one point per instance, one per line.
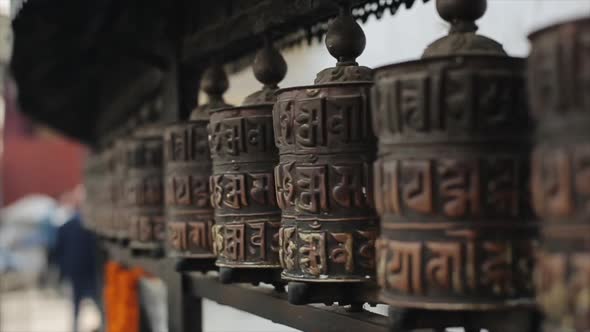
(121, 297)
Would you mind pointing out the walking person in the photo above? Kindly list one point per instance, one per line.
(76, 255)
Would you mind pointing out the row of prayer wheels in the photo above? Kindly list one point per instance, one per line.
(411, 180)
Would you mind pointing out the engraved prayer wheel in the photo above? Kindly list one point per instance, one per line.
(120, 227)
(100, 199)
(247, 218)
(451, 180)
(109, 194)
(144, 191)
(324, 178)
(88, 209)
(559, 92)
(188, 166)
(93, 202)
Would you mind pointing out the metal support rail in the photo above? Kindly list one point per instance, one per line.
(185, 292)
(267, 303)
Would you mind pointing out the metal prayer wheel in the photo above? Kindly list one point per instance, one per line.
(247, 217)
(101, 200)
(451, 180)
(110, 193)
(120, 225)
(559, 92)
(89, 206)
(144, 191)
(93, 181)
(188, 166)
(324, 178)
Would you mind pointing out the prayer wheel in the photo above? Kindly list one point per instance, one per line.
(109, 194)
(189, 214)
(120, 227)
(143, 190)
(101, 193)
(324, 178)
(247, 217)
(89, 207)
(559, 92)
(451, 179)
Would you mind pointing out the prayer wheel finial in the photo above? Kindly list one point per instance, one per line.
(214, 83)
(345, 40)
(462, 38)
(461, 14)
(269, 68)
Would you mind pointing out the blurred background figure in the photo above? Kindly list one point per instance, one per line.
(38, 167)
(44, 246)
(24, 239)
(75, 253)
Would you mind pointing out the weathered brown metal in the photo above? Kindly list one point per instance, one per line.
(189, 214)
(120, 219)
(109, 194)
(245, 236)
(323, 181)
(452, 175)
(143, 190)
(98, 208)
(89, 206)
(559, 92)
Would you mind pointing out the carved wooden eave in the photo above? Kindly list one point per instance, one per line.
(289, 21)
(93, 71)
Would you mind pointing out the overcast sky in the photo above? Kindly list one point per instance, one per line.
(5, 7)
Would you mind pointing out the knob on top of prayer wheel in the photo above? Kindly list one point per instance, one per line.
(214, 83)
(269, 68)
(462, 38)
(345, 41)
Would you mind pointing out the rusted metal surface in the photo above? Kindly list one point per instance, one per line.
(119, 174)
(188, 166)
(98, 206)
(452, 174)
(247, 217)
(144, 190)
(323, 180)
(189, 215)
(109, 194)
(559, 86)
(90, 187)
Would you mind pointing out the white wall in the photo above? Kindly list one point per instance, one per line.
(405, 35)
(5, 7)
